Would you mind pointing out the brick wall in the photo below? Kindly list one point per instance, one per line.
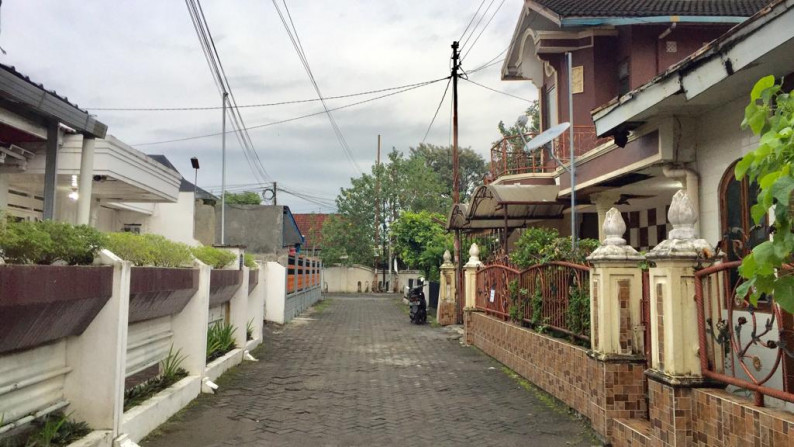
(598, 390)
(611, 394)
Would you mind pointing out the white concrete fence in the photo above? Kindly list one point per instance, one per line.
(83, 368)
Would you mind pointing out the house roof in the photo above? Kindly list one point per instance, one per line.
(311, 226)
(737, 55)
(184, 186)
(21, 91)
(651, 8)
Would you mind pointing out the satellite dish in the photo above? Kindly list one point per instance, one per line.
(548, 135)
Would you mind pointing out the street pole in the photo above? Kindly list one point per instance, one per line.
(275, 193)
(223, 173)
(377, 215)
(455, 181)
(572, 170)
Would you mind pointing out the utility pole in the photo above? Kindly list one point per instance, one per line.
(455, 179)
(275, 193)
(377, 215)
(223, 173)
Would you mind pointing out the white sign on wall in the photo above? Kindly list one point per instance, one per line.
(493, 294)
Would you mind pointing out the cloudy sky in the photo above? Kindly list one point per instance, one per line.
(145, 54)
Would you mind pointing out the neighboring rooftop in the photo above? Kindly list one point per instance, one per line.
(651, 8)
(311, 226)
(184, 186)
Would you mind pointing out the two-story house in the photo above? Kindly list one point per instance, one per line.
(616, 47)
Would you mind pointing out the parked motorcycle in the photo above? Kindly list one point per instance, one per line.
(418, 303)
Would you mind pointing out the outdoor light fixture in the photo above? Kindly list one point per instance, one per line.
(74, 195)
(195, 163)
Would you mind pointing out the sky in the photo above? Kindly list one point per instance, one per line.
(145, 54)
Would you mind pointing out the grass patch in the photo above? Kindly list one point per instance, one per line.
(220, 340)
(54, 430)
(321, 305)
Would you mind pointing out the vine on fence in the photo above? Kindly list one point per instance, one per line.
(518, 301)
(577, 316)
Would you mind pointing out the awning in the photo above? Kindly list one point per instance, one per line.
(506, 206)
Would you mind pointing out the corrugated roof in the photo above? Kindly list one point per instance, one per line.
(652, 8)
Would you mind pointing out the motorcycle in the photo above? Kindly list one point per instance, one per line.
(416, 299)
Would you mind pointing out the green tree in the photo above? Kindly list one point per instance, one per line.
(471, 167)
(420, 240)
(770, 115)
(243, 198)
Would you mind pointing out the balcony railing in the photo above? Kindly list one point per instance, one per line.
(508, 156)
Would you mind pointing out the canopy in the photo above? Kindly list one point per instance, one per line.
(506, 206)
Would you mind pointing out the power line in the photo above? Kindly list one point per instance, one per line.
(437, 109)
(295, 39)
(248, 106)
(463, 45)
(483, 28)
(472, 20)
(497, 91)
(492, 61)
(260, 126)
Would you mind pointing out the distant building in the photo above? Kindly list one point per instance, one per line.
(311, 226)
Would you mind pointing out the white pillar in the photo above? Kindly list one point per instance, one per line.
(470, 277)
(672, 282)
(603, 202)
(95, 386)
(616, 293)
(275, 279)
(190, 325)
(86, 181)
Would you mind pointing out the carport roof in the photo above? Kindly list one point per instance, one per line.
(511, 206)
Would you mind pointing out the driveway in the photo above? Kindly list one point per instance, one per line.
(354, 372)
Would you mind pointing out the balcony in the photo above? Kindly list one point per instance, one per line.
(508, 156)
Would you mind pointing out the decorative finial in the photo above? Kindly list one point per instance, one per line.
(447, 257)
(682, 216)
(614, 228)
(474, 252)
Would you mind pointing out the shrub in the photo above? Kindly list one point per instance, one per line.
(220, 340)
(48, 241)
(518, 300)
(149, 250)
(171, 372)
(541, 245)
(250, 261)
(212, 256)
(577, 315)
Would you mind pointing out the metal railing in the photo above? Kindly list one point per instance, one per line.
(736, 338)
(302, 273)
(554, 295)
(509, 157)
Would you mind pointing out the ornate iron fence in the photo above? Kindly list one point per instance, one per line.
(743, 345)
(554, 295)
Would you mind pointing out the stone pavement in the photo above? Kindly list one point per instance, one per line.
(357, 373)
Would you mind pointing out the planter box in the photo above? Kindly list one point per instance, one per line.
(97, 438)
(217, 367)
(141, 420)
(253, 279)
(223, 285)
(42, 303)
(157, 292)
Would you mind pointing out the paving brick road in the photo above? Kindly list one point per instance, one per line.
(357, 373)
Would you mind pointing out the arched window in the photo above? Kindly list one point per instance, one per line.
(739, 232)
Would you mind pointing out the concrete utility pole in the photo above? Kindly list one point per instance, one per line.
(377, 217)
(275, 193)
(223, 171)
(455, 180)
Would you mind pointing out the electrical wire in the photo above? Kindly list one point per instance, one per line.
(483, 28)
(437, 109)
(472, 20)
(295, 39)
(496, 91)
(260, 126)
(248, 106)
(473, 30)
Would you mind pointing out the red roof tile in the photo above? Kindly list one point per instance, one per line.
(311, 227)
(652, 8)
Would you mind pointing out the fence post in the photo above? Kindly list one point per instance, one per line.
(470, 277)
(675, 362)
(447, 287)
(616, 293)
(617, 335)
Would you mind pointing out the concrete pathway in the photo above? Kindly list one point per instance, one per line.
(355, 372)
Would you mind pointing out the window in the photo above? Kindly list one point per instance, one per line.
(131, 228)
(623, 77)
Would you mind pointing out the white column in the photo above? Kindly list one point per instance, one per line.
(470, 277)
(95, 386)
(446, 294)
(275, 279)
(616, 293)
(86, 181)
(603, 202)
(190, 325)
